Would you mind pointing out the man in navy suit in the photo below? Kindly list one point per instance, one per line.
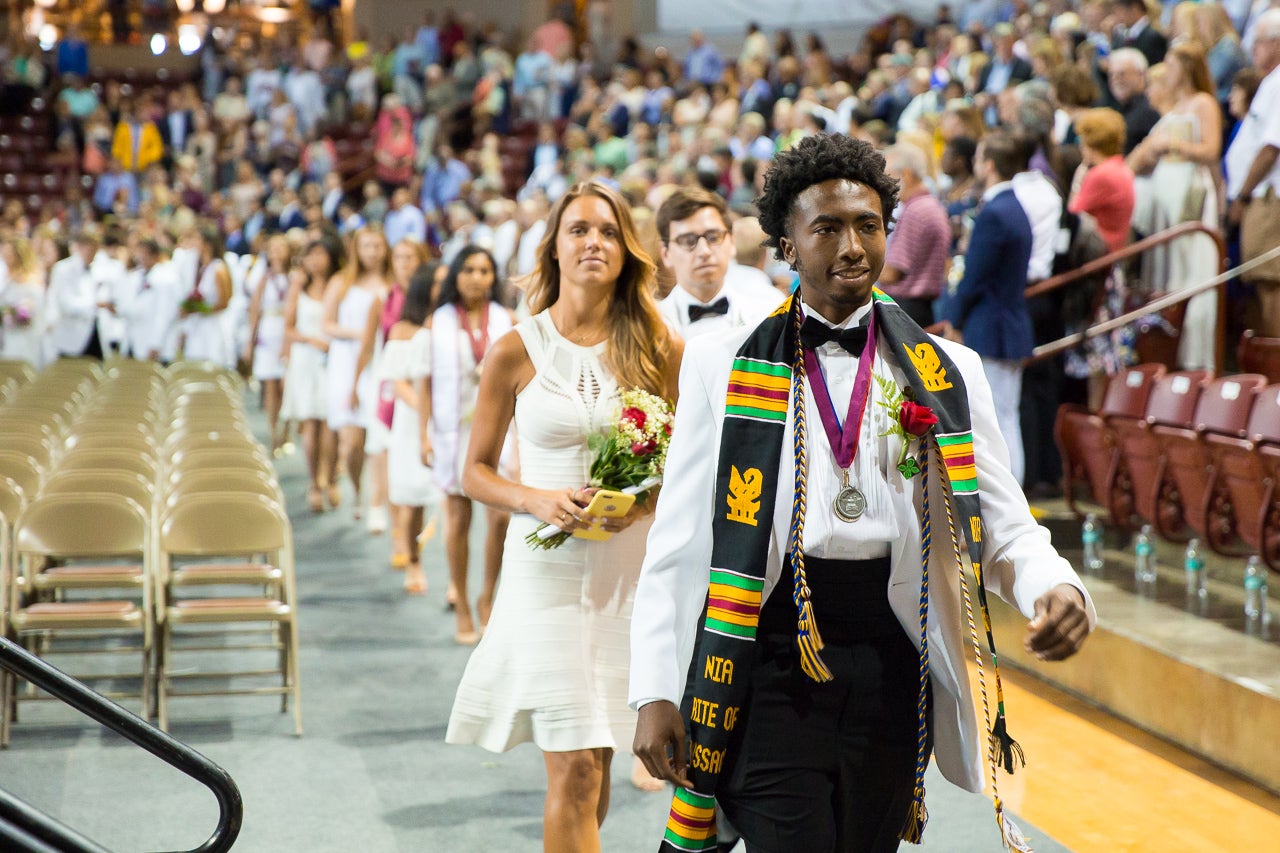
(989, 309)
(1135, 31)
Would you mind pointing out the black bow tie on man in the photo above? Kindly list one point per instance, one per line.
(814, 333)
(718, 308)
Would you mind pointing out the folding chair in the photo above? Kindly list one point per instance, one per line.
(86, 526)
(245, 526)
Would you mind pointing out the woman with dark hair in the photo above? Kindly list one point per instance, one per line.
(305, 397)
(464, 326)
(553, 666)
(406, 360)
(204, 337)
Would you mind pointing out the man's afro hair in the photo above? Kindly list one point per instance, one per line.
(813, 160)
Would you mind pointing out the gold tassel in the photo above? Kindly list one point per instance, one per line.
(1009, 832)
(810, 642)
(917, 817)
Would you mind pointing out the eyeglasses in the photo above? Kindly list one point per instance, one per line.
(689, 242)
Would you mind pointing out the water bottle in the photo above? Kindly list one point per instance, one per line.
(1193, 563)
(1255, 589)
(1091, 538)
(1144, 562)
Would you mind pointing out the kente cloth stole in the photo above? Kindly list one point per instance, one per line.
(765, 386)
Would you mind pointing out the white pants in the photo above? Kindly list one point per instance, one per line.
(1005, 379)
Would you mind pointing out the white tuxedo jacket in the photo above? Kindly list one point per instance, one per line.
(72, 303)
(1020, 563)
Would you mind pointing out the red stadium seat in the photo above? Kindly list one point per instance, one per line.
(1223, 409)
(1247, 469)
(1141, 464)
(1086, 441)
(1260, 355)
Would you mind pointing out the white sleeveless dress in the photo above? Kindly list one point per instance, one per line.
(409, 482)
(305, 394)
(344, 354)
(552, 666)
(267, 348)
(206, 338)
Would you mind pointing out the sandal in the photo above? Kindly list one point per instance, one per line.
(315, 501)
(415, 582)
(399, 561)
(335, 496)
(466, 638)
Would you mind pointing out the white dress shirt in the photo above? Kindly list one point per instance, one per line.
(825, 535)
(153, 312)
(109, 275)
(1043, 205)
(746, 308)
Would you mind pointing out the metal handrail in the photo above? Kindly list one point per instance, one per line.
(1104, 263)
(160, 744)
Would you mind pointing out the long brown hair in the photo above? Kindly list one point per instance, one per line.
(639, 343)
(1195, 68)
(354, 268)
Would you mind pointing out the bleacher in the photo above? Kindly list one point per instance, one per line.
(139, 517)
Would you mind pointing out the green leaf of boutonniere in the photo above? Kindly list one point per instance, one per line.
(909, 467)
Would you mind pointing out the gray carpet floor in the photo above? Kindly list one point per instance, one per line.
(372, 773)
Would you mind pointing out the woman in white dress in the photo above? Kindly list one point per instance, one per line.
(204, 337)
(407, 256)
(352, 308)
(406, 360)
(552, 668)
(21, 304)
(305, 393)
(464, 327)
(265, 349)
(1181, 155)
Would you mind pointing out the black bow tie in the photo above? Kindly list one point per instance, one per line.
(719, 307)
(814, 333)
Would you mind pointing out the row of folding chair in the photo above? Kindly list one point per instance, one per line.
(1187, 453)
(172, 455)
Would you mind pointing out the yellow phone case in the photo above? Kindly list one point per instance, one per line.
(604, 504)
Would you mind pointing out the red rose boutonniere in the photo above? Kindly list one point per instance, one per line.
(911, 421)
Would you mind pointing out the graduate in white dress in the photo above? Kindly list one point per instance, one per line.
(411, 484)
(265, 348)
(552, 668)
(22, 304)
(463, 329)
(306, 379)
(697, 246)
(352, 309)
(204, 338)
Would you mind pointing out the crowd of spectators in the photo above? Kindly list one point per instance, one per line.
(1115, 116)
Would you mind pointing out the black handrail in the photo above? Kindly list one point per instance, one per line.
(57, 683)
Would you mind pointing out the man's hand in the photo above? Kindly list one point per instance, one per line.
(1235, 212)
(660, 728)
(1060, 624)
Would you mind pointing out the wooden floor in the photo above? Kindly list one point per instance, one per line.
(1094, 783)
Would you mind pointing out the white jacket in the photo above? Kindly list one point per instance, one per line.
(71, 306)
(1020, 563)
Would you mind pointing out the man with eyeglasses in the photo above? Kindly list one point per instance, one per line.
(693, 226)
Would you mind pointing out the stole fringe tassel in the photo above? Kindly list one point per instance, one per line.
(1007, 748)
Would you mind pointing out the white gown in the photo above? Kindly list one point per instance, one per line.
(19, 341)
(305, 394)
(552, 667)
(344, 354)
(206, 338)
(270, 343)
(409, 482)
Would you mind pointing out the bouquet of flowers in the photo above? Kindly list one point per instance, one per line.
(194, 304)
(17, 316)
(628, 458)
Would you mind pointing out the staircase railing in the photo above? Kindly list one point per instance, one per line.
(1104, 263)
(27, 829)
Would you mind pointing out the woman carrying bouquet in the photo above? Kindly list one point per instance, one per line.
(553, 666)
(463, 330)
(22, 304)
(203, 335)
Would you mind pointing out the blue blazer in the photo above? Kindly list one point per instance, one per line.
(989, 305)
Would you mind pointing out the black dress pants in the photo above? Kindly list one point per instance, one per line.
(821, 768)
